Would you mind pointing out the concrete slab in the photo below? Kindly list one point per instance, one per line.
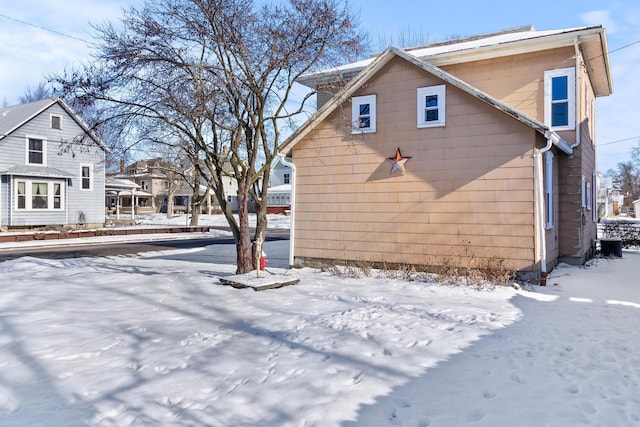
(268, 279)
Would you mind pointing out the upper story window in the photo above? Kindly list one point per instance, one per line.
(56, 122)
(363, 114)
(36, 151)
(560, 99)
(86, 177)
(144, 184)
(287, 178)
(431, 106)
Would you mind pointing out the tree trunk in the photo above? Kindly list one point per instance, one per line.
(261, 228)
(195, 211)
(170, 204)
(244, 258)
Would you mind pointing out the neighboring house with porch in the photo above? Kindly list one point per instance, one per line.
(156, 181)
(51, 167)
(455, 153)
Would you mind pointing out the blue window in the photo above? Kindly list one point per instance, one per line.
(560, 101)
(363, 114)
(431, 106)
(559, 96)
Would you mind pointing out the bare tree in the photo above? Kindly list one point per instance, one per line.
(36, 93)
(627, 175)
(219, 74)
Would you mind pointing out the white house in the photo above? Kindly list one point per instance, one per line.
(51, 167)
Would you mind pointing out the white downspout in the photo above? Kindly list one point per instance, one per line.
(292, 199)
(578, 93)
(540, 240)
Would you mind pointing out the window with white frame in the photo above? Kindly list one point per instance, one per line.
(363, 114)
(36, 151)
(560, 98)
(39, 195)
(586, 194)
(548, 188)
(86, 177)
(144, 184)
(56, 122)
(431, 106)
(594, 195)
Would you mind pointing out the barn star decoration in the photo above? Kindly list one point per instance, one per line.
(399, 162)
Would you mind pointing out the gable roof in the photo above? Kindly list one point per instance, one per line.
(11, 118)
(592, 41)
(380, 62)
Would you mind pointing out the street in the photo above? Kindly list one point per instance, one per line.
(217, 249)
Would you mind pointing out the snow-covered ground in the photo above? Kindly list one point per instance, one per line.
(153, 340)
(273, 221)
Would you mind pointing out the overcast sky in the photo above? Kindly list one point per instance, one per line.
(27, 52)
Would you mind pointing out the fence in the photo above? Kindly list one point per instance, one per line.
(625, 230)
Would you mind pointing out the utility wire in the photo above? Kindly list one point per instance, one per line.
(619, 140)
(43, 28)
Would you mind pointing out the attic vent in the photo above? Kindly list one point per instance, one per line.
(56, 122)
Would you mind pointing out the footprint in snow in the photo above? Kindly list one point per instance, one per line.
(475, 415)
(572, 389)
(516, 378)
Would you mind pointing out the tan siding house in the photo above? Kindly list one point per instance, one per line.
(449, 154)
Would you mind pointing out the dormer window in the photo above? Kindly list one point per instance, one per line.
(363, 114)
(56, 122)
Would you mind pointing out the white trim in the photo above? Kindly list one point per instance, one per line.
(91, 176)
(594, 195)
(583, 190)
(51, 116)
(421, 109)
(356, 102)
(549, 75)
(28, 194)
(44, 150)
(548, 189)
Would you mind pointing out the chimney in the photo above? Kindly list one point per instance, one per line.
(121, 165)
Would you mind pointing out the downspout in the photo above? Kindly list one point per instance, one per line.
(66, 201)
(10, 198)
(292, 200)
(540, 239)
(578, 93)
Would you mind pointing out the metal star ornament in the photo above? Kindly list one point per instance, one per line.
(399, 162)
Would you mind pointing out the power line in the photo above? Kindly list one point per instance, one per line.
(43, 28)
(615, 50)
(619, 140)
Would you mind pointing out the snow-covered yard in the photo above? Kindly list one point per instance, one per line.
(153, 340)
